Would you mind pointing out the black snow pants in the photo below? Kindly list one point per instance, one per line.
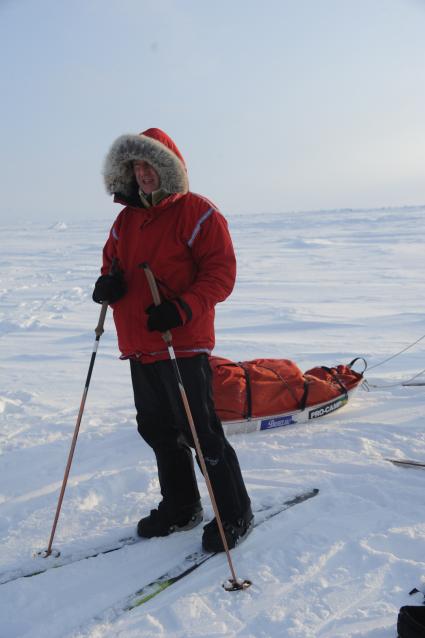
(163, 424)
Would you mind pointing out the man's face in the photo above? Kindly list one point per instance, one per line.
(146, 176)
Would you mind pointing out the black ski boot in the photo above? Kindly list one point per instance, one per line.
(234, 532)
(161, 523)
(411, 622)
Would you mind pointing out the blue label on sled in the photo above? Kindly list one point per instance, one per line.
(277, 422)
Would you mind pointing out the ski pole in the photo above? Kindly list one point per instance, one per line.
(234, 583)
(99, 330)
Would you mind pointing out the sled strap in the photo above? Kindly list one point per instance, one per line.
(303, 401)
(333, 372)
(287, 385)
(248, 389)
(350, 365)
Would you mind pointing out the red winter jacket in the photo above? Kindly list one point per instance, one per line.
(185, 241)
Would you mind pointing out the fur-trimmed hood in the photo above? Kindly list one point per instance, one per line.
(153, 146)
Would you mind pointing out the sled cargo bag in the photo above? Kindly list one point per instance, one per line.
(264, 387)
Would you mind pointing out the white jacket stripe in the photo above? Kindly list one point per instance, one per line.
(198, 226)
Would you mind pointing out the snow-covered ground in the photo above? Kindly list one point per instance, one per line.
(319, 288)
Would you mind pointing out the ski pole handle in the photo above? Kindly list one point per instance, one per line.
(99, 330)
(155, 295)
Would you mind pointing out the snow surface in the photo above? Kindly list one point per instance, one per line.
(318, 287)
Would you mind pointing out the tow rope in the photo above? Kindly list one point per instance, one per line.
(367, 386)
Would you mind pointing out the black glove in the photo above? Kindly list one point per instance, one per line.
(163, 317)
(109, 288)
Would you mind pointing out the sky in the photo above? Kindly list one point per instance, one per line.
(278, 105)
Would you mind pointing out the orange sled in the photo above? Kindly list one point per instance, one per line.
(270, 393)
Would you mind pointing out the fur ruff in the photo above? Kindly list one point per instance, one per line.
(118, 168)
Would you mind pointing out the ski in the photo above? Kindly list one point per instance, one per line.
(188, 565)
(193, 561)
(40, 565)
(407, 463)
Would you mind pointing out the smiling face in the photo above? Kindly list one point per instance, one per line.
(146, 177)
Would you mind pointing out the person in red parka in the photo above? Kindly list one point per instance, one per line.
(185, 241)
